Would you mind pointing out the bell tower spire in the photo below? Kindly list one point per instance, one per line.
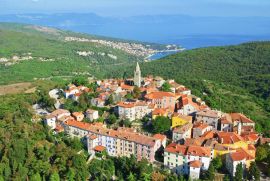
(137, 76)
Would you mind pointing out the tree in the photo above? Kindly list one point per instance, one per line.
(79, 80)
(210, 173)
(79, 163)
(226, 178)
(239, 173)
(161, 124)
(112, 119)
(54, 177)
(35, 177)
(109, 101)
(157, 176)
(84, 101)
(71, 174)
(136, 92)
(261, 153)
(254, 172)
(166, 87)
(125, 123)
(71, 105)
(129, 96)
(131, 177)
(217, 163)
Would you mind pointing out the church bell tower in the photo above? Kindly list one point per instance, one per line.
(137, 76)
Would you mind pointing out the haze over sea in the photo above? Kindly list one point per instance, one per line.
(186, 31)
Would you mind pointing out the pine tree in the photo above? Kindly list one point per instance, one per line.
(210, 174)
(239, 173)
(254, 172)
(54, 177)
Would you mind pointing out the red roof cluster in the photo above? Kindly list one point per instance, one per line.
(188, 150)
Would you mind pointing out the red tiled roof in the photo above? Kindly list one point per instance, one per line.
(240, 117)
(251, 137)
(209, 134)
(126, 104)
(183, 128)
(229, 137)
(199, 151)
(124, 135)
(59, 128)
(99, 148)
(200, 126)
(57, 112)
(188, 150)
(92, 137)
(265, 140)
(241, 155)
(127, 87)
(159, 95)
(195, 164)
(176, 148)
(160, 111)
(194, 141)
(76, 114)
(159, 136)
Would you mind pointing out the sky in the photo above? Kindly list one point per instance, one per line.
(223, 8)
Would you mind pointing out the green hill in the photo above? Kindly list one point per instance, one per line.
(231, 78)
(52, 55)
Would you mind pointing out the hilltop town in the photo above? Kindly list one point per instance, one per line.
(154, 119)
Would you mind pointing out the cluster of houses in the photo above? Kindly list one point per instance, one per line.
(199, 134)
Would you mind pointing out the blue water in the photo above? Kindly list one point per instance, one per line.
(161, 55)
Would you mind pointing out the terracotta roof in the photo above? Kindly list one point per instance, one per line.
(132, 104)
(99, 148)
(92, 137)
(195, 164)
(126, 104)
(229, 137)
(127, 87)
(160, 137)
(264, 140)
(209, 113)
(209, 134)
(160, 111)
(240, 117)
(188, 150)
(76, 114)
(176, 148)
(194, 141)
(241, 155)
(199, 151)
(251, 147)
(182, 129)
(91, 111)
(59, 128)
(159, 95)
(200, 126)
(57, 112)
(251, 137)
(124, 135)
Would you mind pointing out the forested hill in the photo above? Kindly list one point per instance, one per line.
(52, 52)
(231, 78)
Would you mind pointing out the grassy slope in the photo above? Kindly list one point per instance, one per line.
(15, 40)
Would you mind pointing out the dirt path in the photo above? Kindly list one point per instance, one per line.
(26, 87)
